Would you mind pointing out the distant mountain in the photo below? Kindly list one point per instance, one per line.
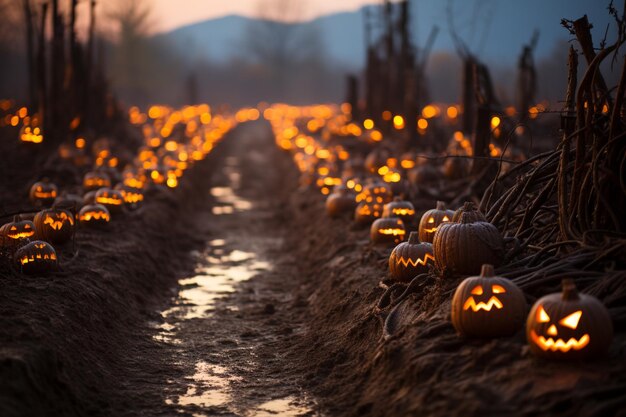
(495, 30)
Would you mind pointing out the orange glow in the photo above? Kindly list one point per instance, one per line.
(452, 112)
(80, 143)
(376, 136)
(15, 120)
(368, 124)
(422, 124)
(387, 115)
(429, 111)
(495, 122)
(22, 112)
(398, 122)
(533, 112)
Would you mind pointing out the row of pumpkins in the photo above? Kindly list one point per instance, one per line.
(56, 223)
(566, 325)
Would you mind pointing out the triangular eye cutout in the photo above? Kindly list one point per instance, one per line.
(431, 220)
(572, 320)
(477, 290)
(445, 219)
(497, 289)
(542, 316)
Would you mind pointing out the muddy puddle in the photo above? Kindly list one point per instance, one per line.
(209, 334)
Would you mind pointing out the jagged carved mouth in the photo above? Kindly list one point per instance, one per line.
(394, 232)
(21, 235)
(431, 230)
(559, 344)
(414, 263)
(492, 303)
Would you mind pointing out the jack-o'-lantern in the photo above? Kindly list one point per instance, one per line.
(341, 201)
(36, 258)
(387, 231)
(366, 213)
(431, 220)
(113, 200)
(95, 180)
(470, 212)
(54, 225)
(402, 209)
(31, 134)
(375, 192)
(16, 232)
(569, 325)
(463, 247)
(133, 197)
(410, 258)
(488, 306)
(94, 215)
(43, 193)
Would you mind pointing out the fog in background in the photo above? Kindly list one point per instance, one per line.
(271, 62)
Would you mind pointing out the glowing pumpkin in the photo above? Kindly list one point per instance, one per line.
(94, 215)
(54, 225)
(43, 193)
(431, 220)
(366, 213)
(96, 179)
(36, 258)
(113, 200)
(402, 209)
(410, 258)
(375, 192)
(569, 325)
(488, 306)
(133, 197)
(387, 231)
(16, 232)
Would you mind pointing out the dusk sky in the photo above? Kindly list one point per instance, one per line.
(174, 13)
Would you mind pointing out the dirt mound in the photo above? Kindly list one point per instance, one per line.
(419, 366)
(72, 341)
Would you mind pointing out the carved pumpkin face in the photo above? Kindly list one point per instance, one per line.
(431, 220)
(54, 225)
(410, 258)
(568, 325)
(375, 192)
(111, 199)
(488, 306)
(18, 230)
(36, 257)
(43, 193)
(30, 134)
(94, 215)
(132, 196)
(402, 209)
(95, 180)
(387, 230)
(367, 212)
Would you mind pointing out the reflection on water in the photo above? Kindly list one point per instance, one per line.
(287, 406)
(219, 270)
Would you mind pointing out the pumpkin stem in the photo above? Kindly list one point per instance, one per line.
(413, 238)
(469, 206)
(570, 292)
(487, 271)
(441, 205)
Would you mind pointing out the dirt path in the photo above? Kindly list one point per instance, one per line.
(235, 303)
